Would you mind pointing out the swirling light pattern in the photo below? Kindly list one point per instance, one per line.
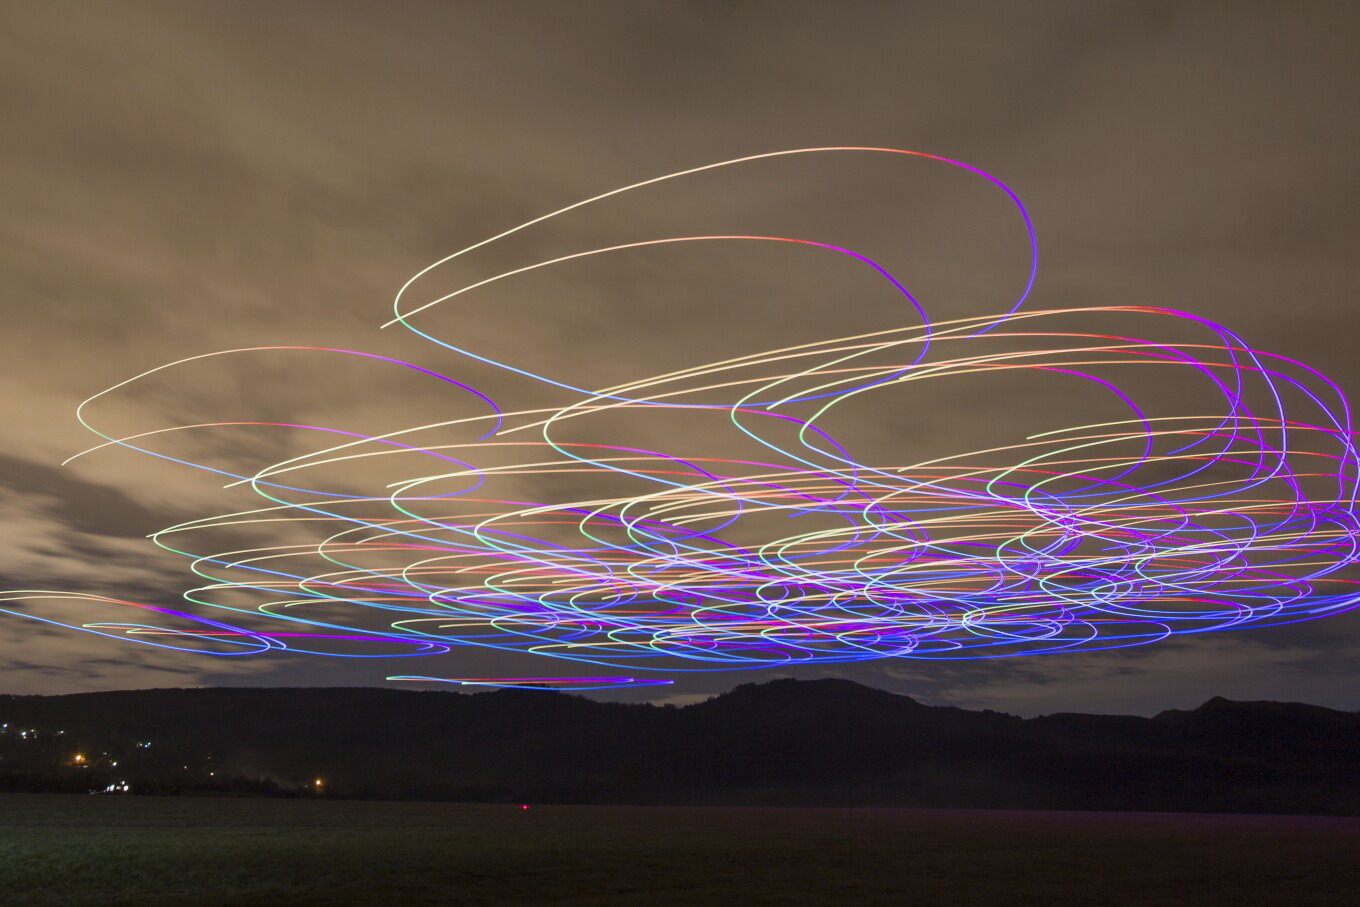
(1222, 497)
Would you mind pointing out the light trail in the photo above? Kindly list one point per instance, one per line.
(1229, 503)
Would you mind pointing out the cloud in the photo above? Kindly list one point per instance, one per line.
(203, 177)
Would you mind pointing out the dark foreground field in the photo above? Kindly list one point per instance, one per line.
(73, 850)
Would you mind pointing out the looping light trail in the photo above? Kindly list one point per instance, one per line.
(1213, 489)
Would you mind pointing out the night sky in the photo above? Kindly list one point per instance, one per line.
(185, 178)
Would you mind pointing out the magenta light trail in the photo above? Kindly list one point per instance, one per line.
(1227, 502)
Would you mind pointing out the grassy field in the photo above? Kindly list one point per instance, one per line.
(76, 850)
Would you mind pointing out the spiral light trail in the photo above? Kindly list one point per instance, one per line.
(1230, 503)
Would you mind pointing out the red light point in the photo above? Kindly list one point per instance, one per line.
(524, 806)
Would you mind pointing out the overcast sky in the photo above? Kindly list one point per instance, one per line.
(180, 178)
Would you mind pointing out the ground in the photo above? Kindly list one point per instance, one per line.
(147, 851)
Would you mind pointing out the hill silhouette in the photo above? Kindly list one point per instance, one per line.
(784, 742)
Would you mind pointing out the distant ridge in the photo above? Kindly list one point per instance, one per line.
(784, 742)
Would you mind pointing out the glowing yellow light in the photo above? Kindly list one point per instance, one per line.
(80, 758)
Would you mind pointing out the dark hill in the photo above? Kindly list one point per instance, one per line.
(824, 742)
